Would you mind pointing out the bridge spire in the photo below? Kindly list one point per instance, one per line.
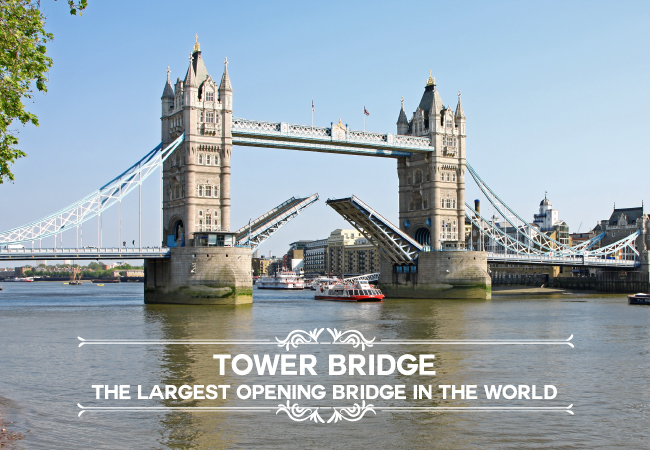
(460, 114)
(168, 91)
(402, 121)
(197, 46)
(225, 79)
(432, 80)
(190, 77)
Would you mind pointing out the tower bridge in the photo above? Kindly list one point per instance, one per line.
(199, 260)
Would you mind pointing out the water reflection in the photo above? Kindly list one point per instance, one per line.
(194, 365)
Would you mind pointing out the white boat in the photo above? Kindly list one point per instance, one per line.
(357, 291)
(24, 280)
(281, 280)
(323, 280)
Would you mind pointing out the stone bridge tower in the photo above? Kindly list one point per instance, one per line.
(196, 178)
(432, 187)
(196, 197)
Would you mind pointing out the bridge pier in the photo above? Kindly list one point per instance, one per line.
(200, 276)
(440, 275)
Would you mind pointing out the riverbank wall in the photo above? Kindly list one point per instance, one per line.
(610, 282)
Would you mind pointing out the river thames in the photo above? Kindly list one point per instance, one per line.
(45, 374)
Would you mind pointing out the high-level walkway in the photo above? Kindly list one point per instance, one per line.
(336, 139)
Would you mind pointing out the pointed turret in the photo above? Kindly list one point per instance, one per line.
(459, 109)
(190, 76)
(168, 92)
(431, 104)
(225, 79)
(402, 121)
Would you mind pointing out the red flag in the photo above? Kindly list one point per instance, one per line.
(365, 111)
(312, 106)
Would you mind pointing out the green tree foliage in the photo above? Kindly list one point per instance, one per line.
(23, 68)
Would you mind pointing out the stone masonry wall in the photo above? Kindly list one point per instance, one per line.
(200, 275)
(440, 275)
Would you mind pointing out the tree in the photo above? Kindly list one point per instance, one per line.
(23, 66)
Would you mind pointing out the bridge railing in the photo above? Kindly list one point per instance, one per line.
(82, 251)
(287, 130)
(565, 260)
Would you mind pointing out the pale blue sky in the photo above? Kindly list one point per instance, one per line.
(555, 93)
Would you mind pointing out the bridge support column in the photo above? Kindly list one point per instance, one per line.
(440, 275)
(200, 276)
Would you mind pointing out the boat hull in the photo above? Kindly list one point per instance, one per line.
(354, 298)
(638, 300)
(284, 288)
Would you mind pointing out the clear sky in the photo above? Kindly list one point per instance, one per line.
(555, 93)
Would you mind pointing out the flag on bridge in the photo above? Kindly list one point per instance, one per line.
(312, 106)
(365, 111)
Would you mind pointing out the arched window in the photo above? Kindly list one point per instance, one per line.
(200, 158)
(200, 189)
(207, 160)
(208, 190)
(442, 202)
(453, 176)
(418, 176)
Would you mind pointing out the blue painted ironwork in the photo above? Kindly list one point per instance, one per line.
(93, 204)
(27, 254)
(397, 246)
(260, 229)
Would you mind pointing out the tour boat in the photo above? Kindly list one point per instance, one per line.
(323, 280)
(281, 280)
(357, 291)
(638, 299)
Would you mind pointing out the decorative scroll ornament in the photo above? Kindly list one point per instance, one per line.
(297, 337)
(352, 413)
(300, 414)
(353, 337)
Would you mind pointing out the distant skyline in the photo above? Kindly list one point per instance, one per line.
(555, 94)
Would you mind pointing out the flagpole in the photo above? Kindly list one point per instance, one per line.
(364, 118)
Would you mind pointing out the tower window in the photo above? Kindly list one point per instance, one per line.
(209, 116)
(207, 160)
(200, 189)
(209, 96)
(208, 191)
(200, 158)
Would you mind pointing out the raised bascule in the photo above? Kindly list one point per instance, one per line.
(201, 261)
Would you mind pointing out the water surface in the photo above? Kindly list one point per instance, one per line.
(44, 374)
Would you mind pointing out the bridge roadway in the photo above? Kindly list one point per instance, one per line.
(26, 254)
(89, 253)
(552, 260)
